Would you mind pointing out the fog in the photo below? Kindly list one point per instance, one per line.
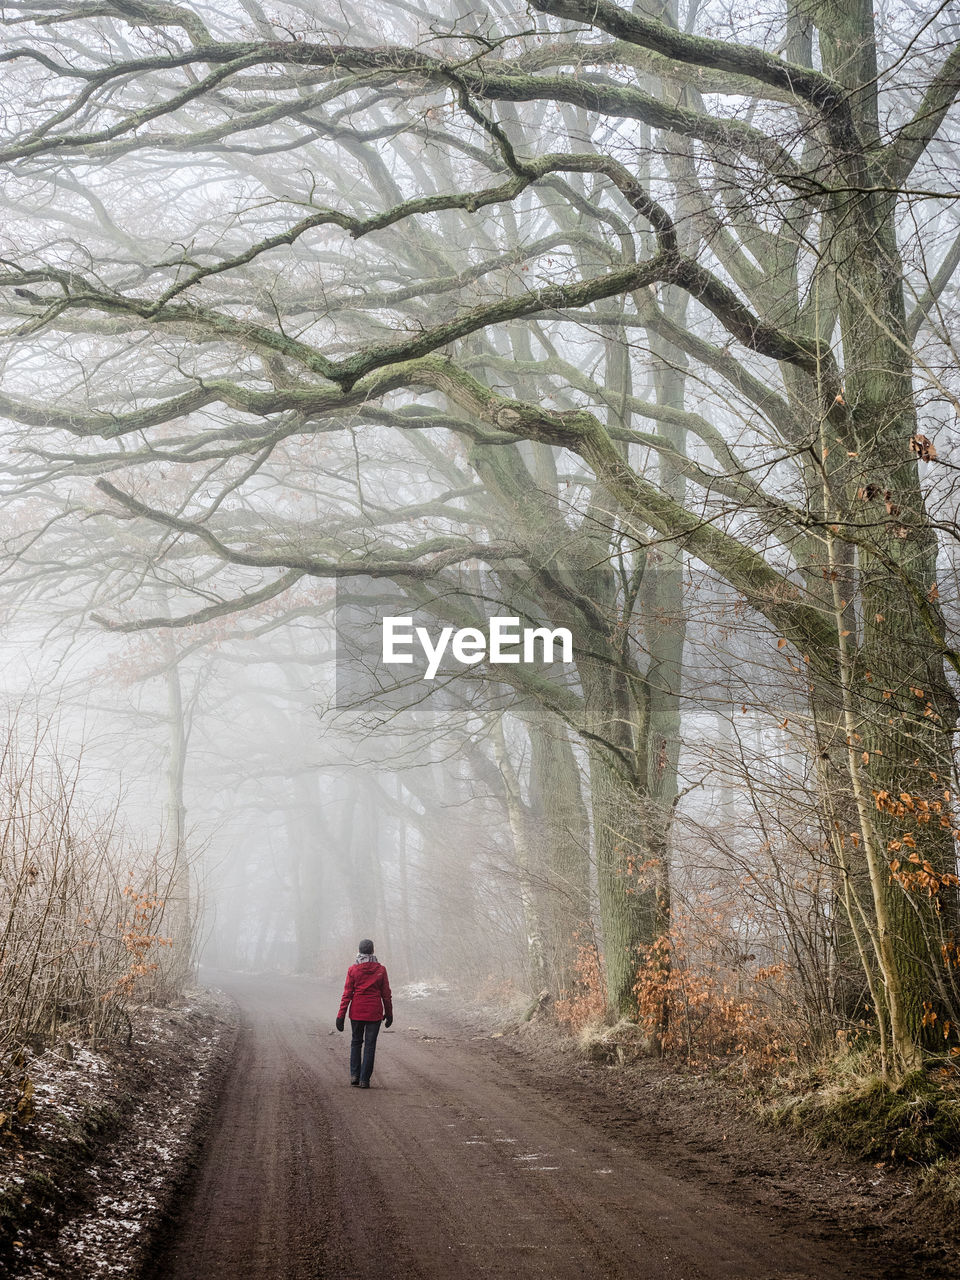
(320, 315)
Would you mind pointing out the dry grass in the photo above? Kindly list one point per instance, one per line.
(624, 1042)
(844, 1103)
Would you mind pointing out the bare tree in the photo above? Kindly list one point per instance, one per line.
(592, 174)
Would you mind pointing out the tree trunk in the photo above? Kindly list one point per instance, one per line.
(562, 829)
(902, 711)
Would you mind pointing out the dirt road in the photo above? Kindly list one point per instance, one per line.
(451, 1166)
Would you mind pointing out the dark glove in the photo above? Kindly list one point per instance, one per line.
(339, 1024)
(388, 1020)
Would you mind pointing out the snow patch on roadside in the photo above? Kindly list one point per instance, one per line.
(152, 1096)
(422, 990)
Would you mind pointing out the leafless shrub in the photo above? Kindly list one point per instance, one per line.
(88, 918)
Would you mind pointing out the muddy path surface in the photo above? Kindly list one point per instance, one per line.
(453, 1165)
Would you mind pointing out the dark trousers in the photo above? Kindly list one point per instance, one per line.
(364, 1039)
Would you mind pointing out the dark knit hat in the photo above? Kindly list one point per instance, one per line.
(366, 947)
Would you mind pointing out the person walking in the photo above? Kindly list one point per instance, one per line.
(366, 993)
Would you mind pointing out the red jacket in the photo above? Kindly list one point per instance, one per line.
(367, 993)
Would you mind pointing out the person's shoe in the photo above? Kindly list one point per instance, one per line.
(364, 1084)
(354, 1082)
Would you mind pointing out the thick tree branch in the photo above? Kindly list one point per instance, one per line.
(423, 561)
(609, 99)
(248, 600)
(721, 55)
(910, 142)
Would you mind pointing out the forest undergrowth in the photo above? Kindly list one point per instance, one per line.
(94, 935)
(748, 1034)
(92, 922)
